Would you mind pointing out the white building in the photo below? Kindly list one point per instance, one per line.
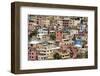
(47, 52)
(73, 31)
(76, 22)
(42, 33)
(84, 38)
(42, 57)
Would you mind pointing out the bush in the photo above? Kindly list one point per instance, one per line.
(52, 36)
(57, 56)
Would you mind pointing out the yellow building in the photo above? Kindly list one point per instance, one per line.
(65, 55)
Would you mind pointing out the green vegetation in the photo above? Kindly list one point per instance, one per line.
(52, 36)
(57, 56)
(34, 33)
(83, 55)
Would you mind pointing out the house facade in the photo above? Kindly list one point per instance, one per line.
(32, 54)
(42, 33)
(58, 36)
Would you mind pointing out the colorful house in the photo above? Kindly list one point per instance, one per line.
(42, 33)
(63, 47)
(59, 36)
(66, 23)
(74, 52)
(46, 53)
(32, 54)
(42, 56)
(65, 55)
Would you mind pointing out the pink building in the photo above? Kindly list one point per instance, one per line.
(66, 23)
(64, 47)
(74, 52)
(58, 36)
(32, 54)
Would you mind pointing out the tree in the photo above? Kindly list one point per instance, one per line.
(52, 36)
(83, 55)
(57, 56)
(86, 54)
(34, 33)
